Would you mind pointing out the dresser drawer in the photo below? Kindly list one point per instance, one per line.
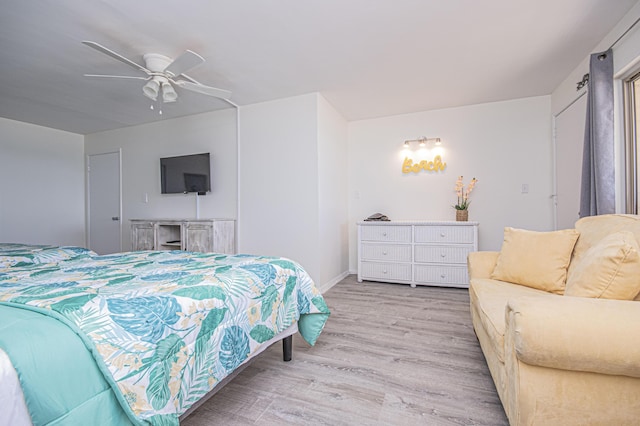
(385, 271)
(388, 233)
(442, 275)
(444, 234)
(388, 252)
(442, 254)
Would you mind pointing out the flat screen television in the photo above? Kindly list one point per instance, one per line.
(185, 173)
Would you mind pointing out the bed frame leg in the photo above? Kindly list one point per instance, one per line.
(287, 347)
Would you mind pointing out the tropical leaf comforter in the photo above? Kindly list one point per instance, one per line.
(166, 327)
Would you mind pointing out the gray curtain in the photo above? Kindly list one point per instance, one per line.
(597, 192)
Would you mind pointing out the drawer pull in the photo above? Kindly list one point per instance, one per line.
(443, 255)
(384, 234)
(443, 276)
(384, 253)
(384, 272)
(442, 234)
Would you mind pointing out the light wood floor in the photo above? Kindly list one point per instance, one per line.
(389, 355)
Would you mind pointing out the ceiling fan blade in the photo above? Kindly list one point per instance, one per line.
(116, 76)
(201, 88)
(109, 52)
(183, 63)
(186, 77)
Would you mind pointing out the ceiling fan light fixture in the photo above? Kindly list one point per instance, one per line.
(168, 93)
(162, 73)
(151, 89)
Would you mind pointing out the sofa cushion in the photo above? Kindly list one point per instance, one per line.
(608, 270)
(535, 259)
(489, 299)
(594, 228)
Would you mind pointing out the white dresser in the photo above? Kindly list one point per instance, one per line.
(416, 252)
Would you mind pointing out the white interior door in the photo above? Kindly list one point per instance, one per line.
(103, 193)
(569, 140)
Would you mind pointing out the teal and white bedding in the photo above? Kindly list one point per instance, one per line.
(15, 255)
(162, 328)
(59, 379)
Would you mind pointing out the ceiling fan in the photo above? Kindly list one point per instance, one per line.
(163, 74)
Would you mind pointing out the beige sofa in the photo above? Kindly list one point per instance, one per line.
(560, 359)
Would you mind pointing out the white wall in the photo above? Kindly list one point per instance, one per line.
(292, 185)
(625, 52)
(278, 201)
(502, 144)
(332, 193)
(143, 146)
(41, 185)
(626, 61)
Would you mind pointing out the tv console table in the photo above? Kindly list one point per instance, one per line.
(200, 235)
(416, 252)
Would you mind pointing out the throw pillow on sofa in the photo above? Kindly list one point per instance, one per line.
(535, 259)
(608, 270)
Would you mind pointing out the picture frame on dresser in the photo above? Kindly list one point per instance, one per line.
(429, 253)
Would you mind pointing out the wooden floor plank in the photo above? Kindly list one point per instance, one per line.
(389, 355)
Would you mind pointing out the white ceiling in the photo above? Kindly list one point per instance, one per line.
(369, 58)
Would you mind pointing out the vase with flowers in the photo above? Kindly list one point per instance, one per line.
(462, 207)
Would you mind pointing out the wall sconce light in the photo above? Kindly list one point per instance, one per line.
(422, 141)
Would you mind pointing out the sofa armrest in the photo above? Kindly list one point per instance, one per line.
(481, 263)
(575, 333)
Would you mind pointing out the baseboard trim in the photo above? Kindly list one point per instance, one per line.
(327, 286)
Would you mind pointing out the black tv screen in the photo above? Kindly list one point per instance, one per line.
(185, 173)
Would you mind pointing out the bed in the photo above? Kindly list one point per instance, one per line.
(140, 337)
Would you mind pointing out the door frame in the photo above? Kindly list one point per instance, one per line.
(554, 196)
(88, 195)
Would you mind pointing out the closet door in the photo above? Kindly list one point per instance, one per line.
(569, 139)
(103, 202)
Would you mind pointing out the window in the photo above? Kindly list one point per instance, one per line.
(632, 114)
